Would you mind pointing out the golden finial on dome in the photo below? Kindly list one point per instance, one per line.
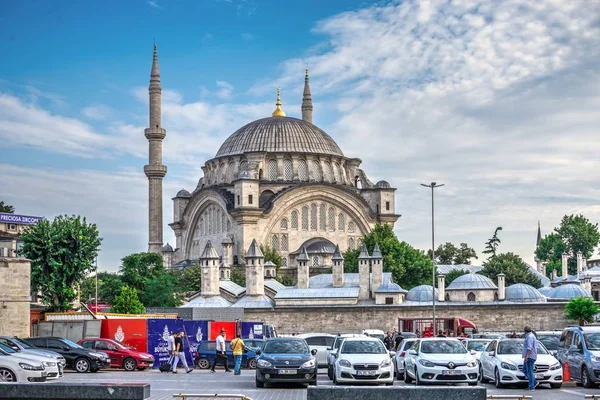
(278, 111)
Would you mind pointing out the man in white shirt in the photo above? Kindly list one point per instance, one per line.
(221, 352)
(173, 352)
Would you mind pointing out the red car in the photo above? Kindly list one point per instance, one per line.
(121, 356)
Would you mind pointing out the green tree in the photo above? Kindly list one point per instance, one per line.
(448, 253)
(272, 255)
(574, 234)
(238, 275)
(127, 302)
(492, 244)
(109, 287)
(6, 208)
(138, 267)
(409, 267)
(582, 309)
(511, 265)
(286, 280)
(160, 291)
(62, 253)
(190, 279)
(452, 275)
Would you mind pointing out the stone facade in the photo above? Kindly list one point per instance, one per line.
(15, 296)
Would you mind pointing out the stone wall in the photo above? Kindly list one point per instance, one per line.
(353, 319)
(15, 296)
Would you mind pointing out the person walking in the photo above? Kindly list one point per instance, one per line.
(388, 341)
(180, 351)
(173, 352)
(440, 334)
(529, 357)
(238, 347)
(398, 342)
(221, 352)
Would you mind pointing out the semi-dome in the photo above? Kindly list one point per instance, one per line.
(472, 282)
(279, 135)
(568, 291)
(545, 290)
(383, 185)
(521, 292)
(421, 293)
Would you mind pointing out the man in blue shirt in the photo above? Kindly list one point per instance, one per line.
(529, 357)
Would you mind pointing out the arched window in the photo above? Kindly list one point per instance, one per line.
(284, 243)
(341, 222)
(294, 220)
(222, 274)
(351, 227)
(228, 274)
(323, 217)
(223, 171)
(228, 226)
(224, 223)
(495, 296)
(275, 242)
(304, 218)
(315, 262)
(315, 171)
(272, 170)
(284, 224)
(331, 219)
(327, 174)
(351, 244)
(208, 222)
(447, 297)
(288, 173)
(231, 172)
(243, 166)
(268, 273)
(284, 262)
(219, 222)
(471, 296)
(336, 172)
(313, 217)
(302, 170)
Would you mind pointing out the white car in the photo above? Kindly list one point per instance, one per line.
(363, 360)
(376, 333)
(22, 347)
(16, 369)
(332, 354)
(320, 342)
(406, 345)
(502, 363)
(478, 345)
(440, 360)
(50, 364)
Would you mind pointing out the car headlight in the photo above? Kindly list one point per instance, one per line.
(508, 366)
(49, 364)
(472, 364)
(554, 367)
(386, 363)
(426, 363)
(309, 364)
(30, 367)
(264, 364)
(345, 363)
(97, 355)
(595, 358)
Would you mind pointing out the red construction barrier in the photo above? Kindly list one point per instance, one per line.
(216, 326)
(130, 331)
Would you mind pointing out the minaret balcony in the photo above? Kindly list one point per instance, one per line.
(155, 171)
(155, 133)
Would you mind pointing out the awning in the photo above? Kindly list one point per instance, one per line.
(465, 323)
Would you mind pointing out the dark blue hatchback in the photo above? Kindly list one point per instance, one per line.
(286, 360)
(206, 353)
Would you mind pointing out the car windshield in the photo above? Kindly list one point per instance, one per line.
(363, 347)
(337, 342)
(380, 337)
(477, 345)
(7, 349)
(72, 345)
(516, 347)
(550, 341)
(442, 347)
(23, 344)
(408, 344)
(592, 341)
(286, 347)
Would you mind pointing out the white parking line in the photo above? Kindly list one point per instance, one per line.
(572, 392)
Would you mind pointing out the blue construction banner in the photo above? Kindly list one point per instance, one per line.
(196, 332)
(252, 330)
(159, 331)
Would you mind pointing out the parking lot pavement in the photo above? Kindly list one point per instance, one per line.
(164, 385)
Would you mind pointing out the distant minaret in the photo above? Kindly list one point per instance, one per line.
(155, 170)
(307, 107)
(538, 263)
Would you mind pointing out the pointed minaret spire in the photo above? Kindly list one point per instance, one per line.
(307, 106)
(539, 235)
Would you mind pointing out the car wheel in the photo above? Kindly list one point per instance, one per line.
(497, 380)
(7, 375)
(203, 363)
(129, 364)
(329, 374)
(482, 378)
(556, 385)
(400, 376)
(252, 363)
(585, 379)
(82, 365)
(407, 379)
(417, 380)
(259, 384)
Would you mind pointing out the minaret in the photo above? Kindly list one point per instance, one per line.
(307, 107)
(155, 170)
(538, 262)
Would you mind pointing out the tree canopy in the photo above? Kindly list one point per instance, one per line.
(511, 265)
(127, 302)
(452, 275)
(138, 267)
(448, 253)
(409, 267)
(581, 309)
(160, 290)
(109, 287)
(574, 234)
(190, 279)
(62, 253)
(272, 255)
(492, 244)
(6, 208)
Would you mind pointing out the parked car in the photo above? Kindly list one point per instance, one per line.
(332, 351)
(50, 364)
(550, 340)
(440, 360)
(479, 345)
(16, 369)
(320, 342)
(207, 352)
(406, 345)
(286, 360)
(502, 363)
(376, 333)
(364, 360)
(78, 358)
(121, 356)
(580, 346)
(23, 347)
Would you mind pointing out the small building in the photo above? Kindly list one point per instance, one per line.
(11, 228)
(472, 287)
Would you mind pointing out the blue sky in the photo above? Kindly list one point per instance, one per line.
(497, 100)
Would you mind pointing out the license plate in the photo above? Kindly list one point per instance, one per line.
(539, 376)
(367, 373)
(287, 372)
(451, 372)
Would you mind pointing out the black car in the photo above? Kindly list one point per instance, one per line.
(77, 358)
(284, 360)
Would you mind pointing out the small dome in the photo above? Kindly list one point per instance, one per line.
(472, 282)
(593, 269)
(167, 248)
(383, 185)
(545, 290)
(183, 194)
(521, 292)
(421, 293)
(568, 291)
(389, 287)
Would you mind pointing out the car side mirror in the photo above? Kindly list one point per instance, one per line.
(67, 348)
(491, 353)
(258, 352)
(313, 351)
(392, 353)
(412, 352)
(473, 352)
(329, 348)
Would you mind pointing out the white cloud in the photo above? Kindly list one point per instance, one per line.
(96, 111)
(224, 90)
(154, 4)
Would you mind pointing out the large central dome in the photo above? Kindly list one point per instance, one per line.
(279, 135)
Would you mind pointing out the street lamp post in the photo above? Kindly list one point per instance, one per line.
(96, 298)
(433, 185)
